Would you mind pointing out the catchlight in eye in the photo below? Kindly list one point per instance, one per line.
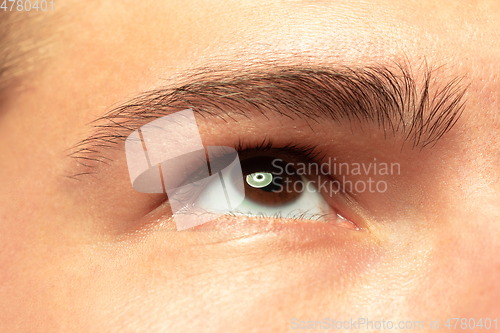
(259, 179)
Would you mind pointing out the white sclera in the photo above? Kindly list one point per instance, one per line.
(232, 175)
(173, 144)
(181, 200)
(219, 197)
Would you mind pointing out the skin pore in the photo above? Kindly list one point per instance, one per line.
(93, 255)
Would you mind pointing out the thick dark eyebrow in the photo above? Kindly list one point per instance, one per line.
(420, 111)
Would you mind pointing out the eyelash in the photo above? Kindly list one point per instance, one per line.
(297, 151)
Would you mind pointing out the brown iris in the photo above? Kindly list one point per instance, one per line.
(267, 183)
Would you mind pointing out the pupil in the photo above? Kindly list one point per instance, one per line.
(267, 184)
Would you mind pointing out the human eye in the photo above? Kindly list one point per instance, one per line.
(273, 188)
(205, 182)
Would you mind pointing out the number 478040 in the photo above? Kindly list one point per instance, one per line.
(27, 5)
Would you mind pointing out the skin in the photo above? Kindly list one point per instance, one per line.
(96, 256)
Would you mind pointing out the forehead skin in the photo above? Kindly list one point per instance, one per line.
(55, 277)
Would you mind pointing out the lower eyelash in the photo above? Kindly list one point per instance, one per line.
(278, 215)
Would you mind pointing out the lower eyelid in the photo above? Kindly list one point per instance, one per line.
(227, 228)
(230, 227)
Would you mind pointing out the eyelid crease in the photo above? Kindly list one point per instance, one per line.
(390, 97)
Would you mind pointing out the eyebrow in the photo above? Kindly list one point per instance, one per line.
(419, 110)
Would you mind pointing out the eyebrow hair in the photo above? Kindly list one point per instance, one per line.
(420, 111)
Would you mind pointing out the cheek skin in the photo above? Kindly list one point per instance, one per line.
(184, 279)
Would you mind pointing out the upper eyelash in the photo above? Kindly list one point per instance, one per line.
(309, 152)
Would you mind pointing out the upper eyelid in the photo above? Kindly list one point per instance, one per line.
(389, 97)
